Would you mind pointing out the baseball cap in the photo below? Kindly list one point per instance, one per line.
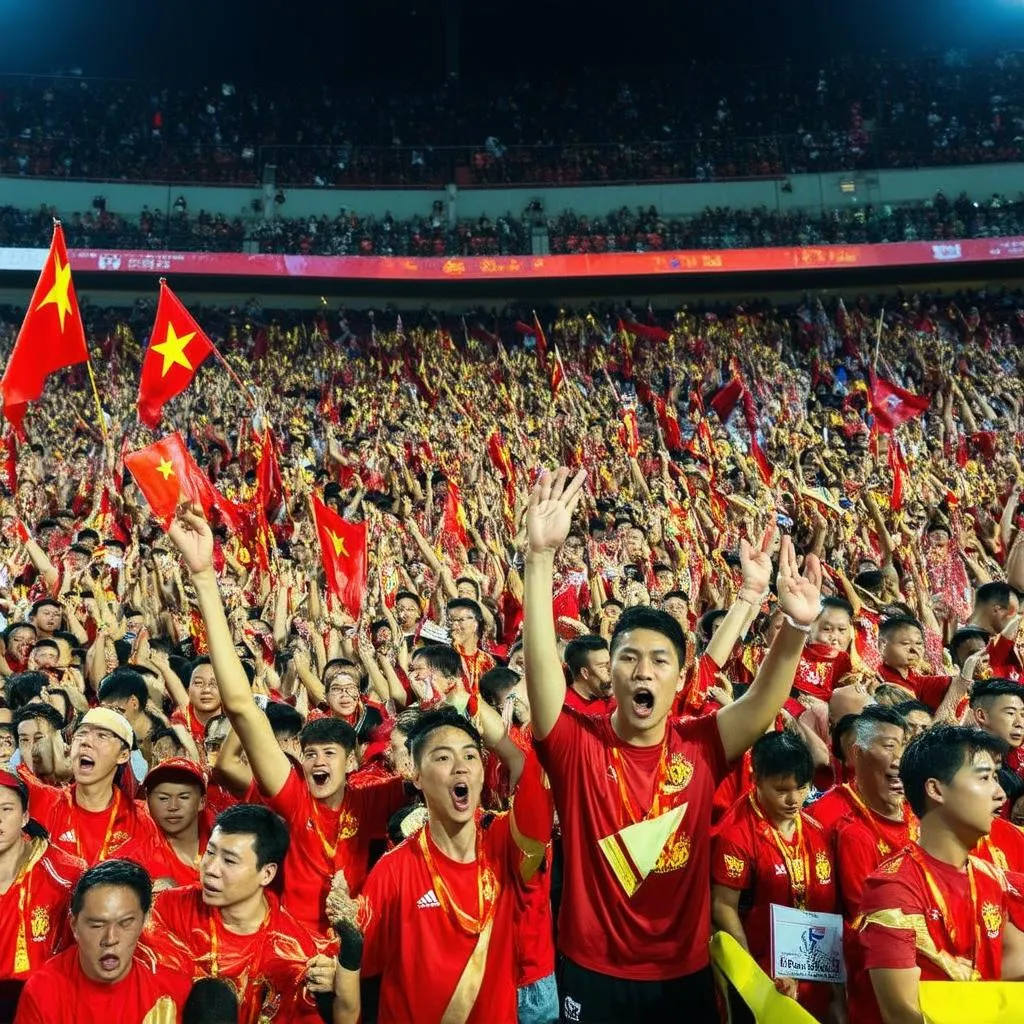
(111, 720)
(175, 769)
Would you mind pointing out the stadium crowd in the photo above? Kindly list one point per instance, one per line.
(623, 230)
(760, 635)
(702, 121)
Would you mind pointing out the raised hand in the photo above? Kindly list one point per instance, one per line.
(756, 566)
(191, 535)
(799, 594)
(549, 514)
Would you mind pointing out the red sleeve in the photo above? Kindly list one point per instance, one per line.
(43, 799)
(732, 861)
(931, 689)
(376, 910)
(705, 733)
(856, 858)
(533, 807)
(167, 932)
(29, 1009)
(291, 801)
(560, 746)
(1000, 653)
(887, 900)
(1015, 898)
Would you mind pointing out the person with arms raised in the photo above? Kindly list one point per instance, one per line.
(634, 788)
(933, 911)
(108, 975)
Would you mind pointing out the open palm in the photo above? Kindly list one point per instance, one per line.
(799, 594)
(191, 535)
(552, 503)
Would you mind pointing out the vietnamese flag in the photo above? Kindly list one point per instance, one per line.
(52, 335)
(176, 348)
(343, 547)
(454, 518)
(898, 467)
(892, 405)
(167, 474)
(542, 342)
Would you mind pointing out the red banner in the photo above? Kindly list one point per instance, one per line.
(477, 268)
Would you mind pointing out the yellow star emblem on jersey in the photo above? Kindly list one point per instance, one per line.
(172, 348)
(58, 293)
(339, 544)
(165, 469)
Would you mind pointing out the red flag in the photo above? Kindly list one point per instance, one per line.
(557, 373)
(669, 422)
(892, 405)
(898, 466)
(542, 343)
(726, 397)
(269, 485)
(176, 348)
(9, 462)
(166, 473)
(645, 331)
(764, 468)
(343, 547)
(51, 337)
(454, 520)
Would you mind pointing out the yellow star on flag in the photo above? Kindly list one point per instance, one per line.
(173, 349)
(166, 469)
(58, 293)
(339, 544)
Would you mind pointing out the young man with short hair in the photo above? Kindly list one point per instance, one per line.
(589, 665)
(634, 788)
(232, 926)
(901, 647)
(933, 912)
(204, 699)
(107, 975)
(439, 910)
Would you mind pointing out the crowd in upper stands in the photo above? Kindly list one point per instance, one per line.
(700, 122)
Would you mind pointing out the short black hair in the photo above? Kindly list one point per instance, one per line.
(469, 605)
(284, 719)
(42, 603)
(88, 531)
(328, 730)
(846, 725)
(965, 633)
(195, 663)
(838, 603)
(782, 754)
(441, 658)
(644, 617)
(996, 592)
(409, 595)
(939, 754)
(122, 683)
(13, 627)
(870, 580)
(896, 622)
(46, 644)
(270, 839)
(444, 718)
(985, 691)
(907, 707)
(579, 650)
(494, 682)
(37, 709)
(114, 872)
(211, 1001)
(707, 622)
(25, 686)
(875, 715)
(681, 594)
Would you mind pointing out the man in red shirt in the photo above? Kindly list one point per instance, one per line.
(901, 647)
(765, 851)
(176, 798)
(634, 788)
(998, 708)
(439, 911)
(92, 818)
(933, 912)
(36, 881)
(233, 926)
(107, 976)
(203, 700)
(589, 665)
(332, 825)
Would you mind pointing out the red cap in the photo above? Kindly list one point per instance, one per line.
(175, 768)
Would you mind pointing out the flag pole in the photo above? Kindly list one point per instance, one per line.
(99, 406)
(234, 376)
(878, 338)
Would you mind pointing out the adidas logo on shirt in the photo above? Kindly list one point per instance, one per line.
(427, 900)
(67, 837)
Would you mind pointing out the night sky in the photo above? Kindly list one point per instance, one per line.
(259, 41)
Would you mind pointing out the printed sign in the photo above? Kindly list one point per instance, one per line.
(807, 945)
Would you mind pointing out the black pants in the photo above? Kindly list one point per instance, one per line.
(590, 998)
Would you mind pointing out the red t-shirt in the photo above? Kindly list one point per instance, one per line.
(928, 689)
(1004, 659)
(190, 720)
(588, 705)
(267, 968)
(61, 993)
(745, 857)
(904, 928)
(36, 907)
(91, 835)
(316, 829)
(160, 860)
(821, 666)
(829, 809)
(662, 930)
(1003, 847)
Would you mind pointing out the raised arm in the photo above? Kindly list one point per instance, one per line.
(190, 533)
(552, 502)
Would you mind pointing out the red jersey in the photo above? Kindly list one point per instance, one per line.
(325, 841)
(588, 705)
(820, 668)
(35, 921)
(616, 918)
(751, 856)
(161, 862)
(61, 993)
(929, 690)
(440, 931)
(905, 926)
(736, 784)
(91, 836)
(1003, 847)
(190, 720)
(830, 809)
(1005, 659)
(694, 695)
(267, 968)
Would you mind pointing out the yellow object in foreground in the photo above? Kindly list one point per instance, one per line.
(978, 1002)
(755, 988)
